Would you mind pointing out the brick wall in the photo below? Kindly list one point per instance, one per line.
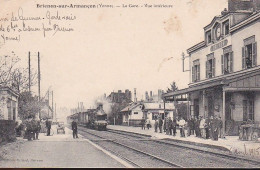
(7, 131)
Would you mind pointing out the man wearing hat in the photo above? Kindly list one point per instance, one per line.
(48, 126)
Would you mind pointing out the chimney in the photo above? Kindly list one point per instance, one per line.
(135, 99)
(146, 96)
(159, 95)
(119, 91)
(151, 95)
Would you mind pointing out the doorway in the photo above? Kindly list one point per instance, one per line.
(196, 108)
(210, 106)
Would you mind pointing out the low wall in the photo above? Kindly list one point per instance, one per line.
(7, 131)
(135, 122)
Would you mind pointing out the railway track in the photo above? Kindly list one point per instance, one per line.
(217, 152)
(159, 162)
(167, 152)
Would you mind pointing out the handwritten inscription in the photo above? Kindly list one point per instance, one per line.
(254, 152)
(12, 28)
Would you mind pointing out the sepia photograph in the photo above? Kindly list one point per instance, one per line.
(129, 84)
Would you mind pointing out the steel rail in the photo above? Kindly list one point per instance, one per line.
(139, 151)
(174, 143)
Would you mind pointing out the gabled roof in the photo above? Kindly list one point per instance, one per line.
(131, 106)
(158, 106)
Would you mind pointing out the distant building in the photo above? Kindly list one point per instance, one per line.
(154, 97)
(119, 97)
(134, 112)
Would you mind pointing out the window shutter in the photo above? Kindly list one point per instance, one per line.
(207, 68)
(243, 58)
(222, 64)
(231, 61)
(213, 67)
(254, 55)
(199, 72)
(246, 57)
(193, 78)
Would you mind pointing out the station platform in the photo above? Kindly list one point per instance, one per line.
(246, 149)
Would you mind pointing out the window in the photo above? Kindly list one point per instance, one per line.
(196, 71)
(249, 53)
(227, 60)
(251, 110)
(226, 27)
(217, 33)
(210, 66)
(135, 113)
(248, 110)
(208, 37)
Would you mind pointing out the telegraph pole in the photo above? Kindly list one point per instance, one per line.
(39, 83)
(48, 102)
(55, 113)
(29, 64)
(52, 104)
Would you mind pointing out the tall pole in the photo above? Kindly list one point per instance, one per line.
(39, 83)
(55, 113)
(52, 103)
(48, 102)
(29, 65)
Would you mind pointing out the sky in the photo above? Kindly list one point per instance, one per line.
(110, 49)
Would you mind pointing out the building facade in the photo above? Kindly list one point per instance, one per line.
(8, 104)
(134, 112)
(225, 70)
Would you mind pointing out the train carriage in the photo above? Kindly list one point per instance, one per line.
(92, 118)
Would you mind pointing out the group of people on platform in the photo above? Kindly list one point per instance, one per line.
(203, 127)
(31, 127)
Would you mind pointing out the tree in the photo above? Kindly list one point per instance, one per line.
(28, 105)
(13, 76)
(172, 88)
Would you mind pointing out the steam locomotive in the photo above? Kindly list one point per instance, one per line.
(92, 118)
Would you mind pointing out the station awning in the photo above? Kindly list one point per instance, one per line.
(246, 80)
(186, 91)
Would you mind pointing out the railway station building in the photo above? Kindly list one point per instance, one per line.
(134, 112)
(225, 69)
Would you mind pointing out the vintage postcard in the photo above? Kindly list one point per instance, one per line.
(129, 84)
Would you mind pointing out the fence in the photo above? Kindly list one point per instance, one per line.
(7, 131)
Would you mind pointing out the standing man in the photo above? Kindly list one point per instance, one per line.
(29, 128)
(143, 123)
(156, 125)
(174, 124)
(170, 125)
(34, 128)
(74, 127)
(38, 129)
(160, 124)
(182, 125)
(202, 128)
(196, 126)
(220, 126)
(48, 126)
(215, 128)
(148, 123)
(189, 127)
